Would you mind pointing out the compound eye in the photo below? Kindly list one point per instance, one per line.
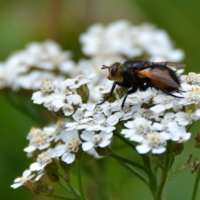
(114, 69)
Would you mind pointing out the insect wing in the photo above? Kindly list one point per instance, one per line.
(170, 64)
(159, 76)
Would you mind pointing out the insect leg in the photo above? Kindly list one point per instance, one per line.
(165, 91)
(111, 92)
(131, 91)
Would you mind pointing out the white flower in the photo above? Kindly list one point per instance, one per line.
(91, 40)
(26, 176)
(192, 78)
(32, 80)
(68, 67)
(45, 93)
(191, 97)
(42, 160)
(147, 114)
(74, 100)
(39, 139)
(137, 129)
(68, 110)
(169, 116)
(55, 130)
(178, 133)
(95, 140)
(104, 89)
(185, 119)
(107, 124)
(79, 114)
(57, 102)
(165, 102)
(94, 153)
(142, 97)
(68, 150)
(98, 122)
(81, 80)
(154, 142)
(156, 43)
(39, 61)
(122, 38)
(81, 124)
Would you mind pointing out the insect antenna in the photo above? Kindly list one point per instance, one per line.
(105, 67)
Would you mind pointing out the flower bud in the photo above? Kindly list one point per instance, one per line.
(178, 148)
(84, 92)
(197, 140)
(35, 187)
(194, 166)
(66, 178)
(51, 170)
(50, 189)
(102, 151)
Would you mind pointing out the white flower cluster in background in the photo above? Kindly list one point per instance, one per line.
(39, 61)
(117, 41)
(124, 39)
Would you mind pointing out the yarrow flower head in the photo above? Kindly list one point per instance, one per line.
(101, 139)
(150, 121)
(68, 150)
(63, 95)
(27, 179)
(39, 139)
(42, 160)
(26, 176)
(191, 97)
(156, 142)
(123, 38)
(39, 61)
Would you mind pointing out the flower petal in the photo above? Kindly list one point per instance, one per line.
(143, 148)
(87, 145)
(68, 158)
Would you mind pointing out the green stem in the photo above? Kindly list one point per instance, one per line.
(71, 190)
(157, 162)
(135, 172)
(162, 184)
(124, 160)
(142, 178)
(79, 178)
(75, 193)
(64, 186)
(147, 169)
(152, 178)
(168, 165)
(183, 168)
(116, 133)
(196, 185)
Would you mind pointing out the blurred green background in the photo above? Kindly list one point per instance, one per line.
(26, 21)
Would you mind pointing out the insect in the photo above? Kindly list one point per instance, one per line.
(142, 74)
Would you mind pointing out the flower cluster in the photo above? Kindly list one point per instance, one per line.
(123, 39)
(63, 94)
(39, 61)
(148, 121)
(92, 126)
